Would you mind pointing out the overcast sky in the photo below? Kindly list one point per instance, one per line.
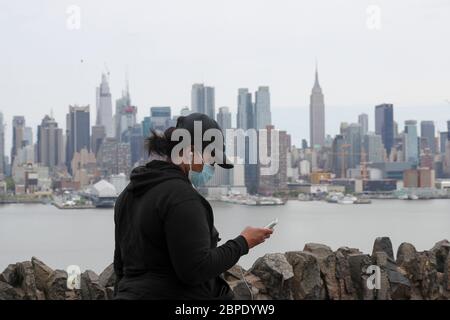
(168, 45)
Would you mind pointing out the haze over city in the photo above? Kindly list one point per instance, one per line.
(166, 46)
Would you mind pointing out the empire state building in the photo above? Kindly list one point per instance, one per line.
(317, 115)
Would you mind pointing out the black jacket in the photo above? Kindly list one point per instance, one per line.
(166, 242)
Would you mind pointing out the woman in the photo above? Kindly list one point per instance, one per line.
(166, 242)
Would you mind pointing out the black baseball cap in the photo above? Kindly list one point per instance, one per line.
(187, 122)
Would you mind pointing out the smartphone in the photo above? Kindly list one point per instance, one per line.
(272, 224)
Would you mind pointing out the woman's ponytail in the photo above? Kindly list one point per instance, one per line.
(160, 144)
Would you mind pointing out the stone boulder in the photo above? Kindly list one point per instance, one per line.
(8, 292)
(276, 274)
(41, 273)
(383, 244)
(90, 286)
(441, 250)
(27, 280)
(56, 285)
(343, 275)
(10, 276)
(108, 277)
(358, 264)
(307, 282)
(327, 263)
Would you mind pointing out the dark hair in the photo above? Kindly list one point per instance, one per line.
(160, 143)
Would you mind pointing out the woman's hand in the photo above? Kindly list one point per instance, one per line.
(255, 236)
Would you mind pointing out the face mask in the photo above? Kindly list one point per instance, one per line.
(201, 178)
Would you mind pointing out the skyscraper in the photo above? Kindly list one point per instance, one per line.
(50, 145)
(203, 99)
(18, 136)
(411, 147)
(245, 111)
(373, 147)
(363, 120)
(97, 137)
(224, 118)
(427, 133)
(317, 114)
(384, 125)
(120, 117)
(77, 132)
(160, 118)
(353, 138)
(263, 116)
(104, 107)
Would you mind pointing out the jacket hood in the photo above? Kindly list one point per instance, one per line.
(144, 178)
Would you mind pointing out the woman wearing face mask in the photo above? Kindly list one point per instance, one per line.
(165, 239)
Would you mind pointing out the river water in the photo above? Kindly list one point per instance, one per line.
(86, 237)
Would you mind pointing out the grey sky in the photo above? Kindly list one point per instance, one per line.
(167, 45)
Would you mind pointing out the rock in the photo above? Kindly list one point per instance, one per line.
(242, 292)
(307, 283)
(234, 273)
(427, 275)
(407, 259)
(56, 285)
(447, 274)
(90, 286)
(327, 264)
(108, 278)
(346, 287)
(8, 292)
(384, 292)
(358, 264)
(73, 295)
(383, 244)
(109, 293)
(441, 250)
(10, 276)
(41, 273)
(320, 250)
(26, 278)
(276, 274)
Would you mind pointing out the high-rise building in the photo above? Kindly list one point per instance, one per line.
(50, 146)
(245, 118)
(18, 136)
(384, 125)
(338, 160)
(104, 107)
(373, 147)
(442, 141)
(134, 137)
(263, 116)
(353, 137)
(121, 117)
(97, 137)
(77, 132)
(411, 144)
(427, 133)
(160, 118)
(317, 115)
(269, 183)
(114, 157)
(224, 118)
(363, 120)
(146, 126)
(203, 99)
(2, 147)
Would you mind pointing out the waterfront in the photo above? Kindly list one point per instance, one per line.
(86, 237)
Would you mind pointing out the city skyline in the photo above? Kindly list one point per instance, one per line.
(165, 51)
